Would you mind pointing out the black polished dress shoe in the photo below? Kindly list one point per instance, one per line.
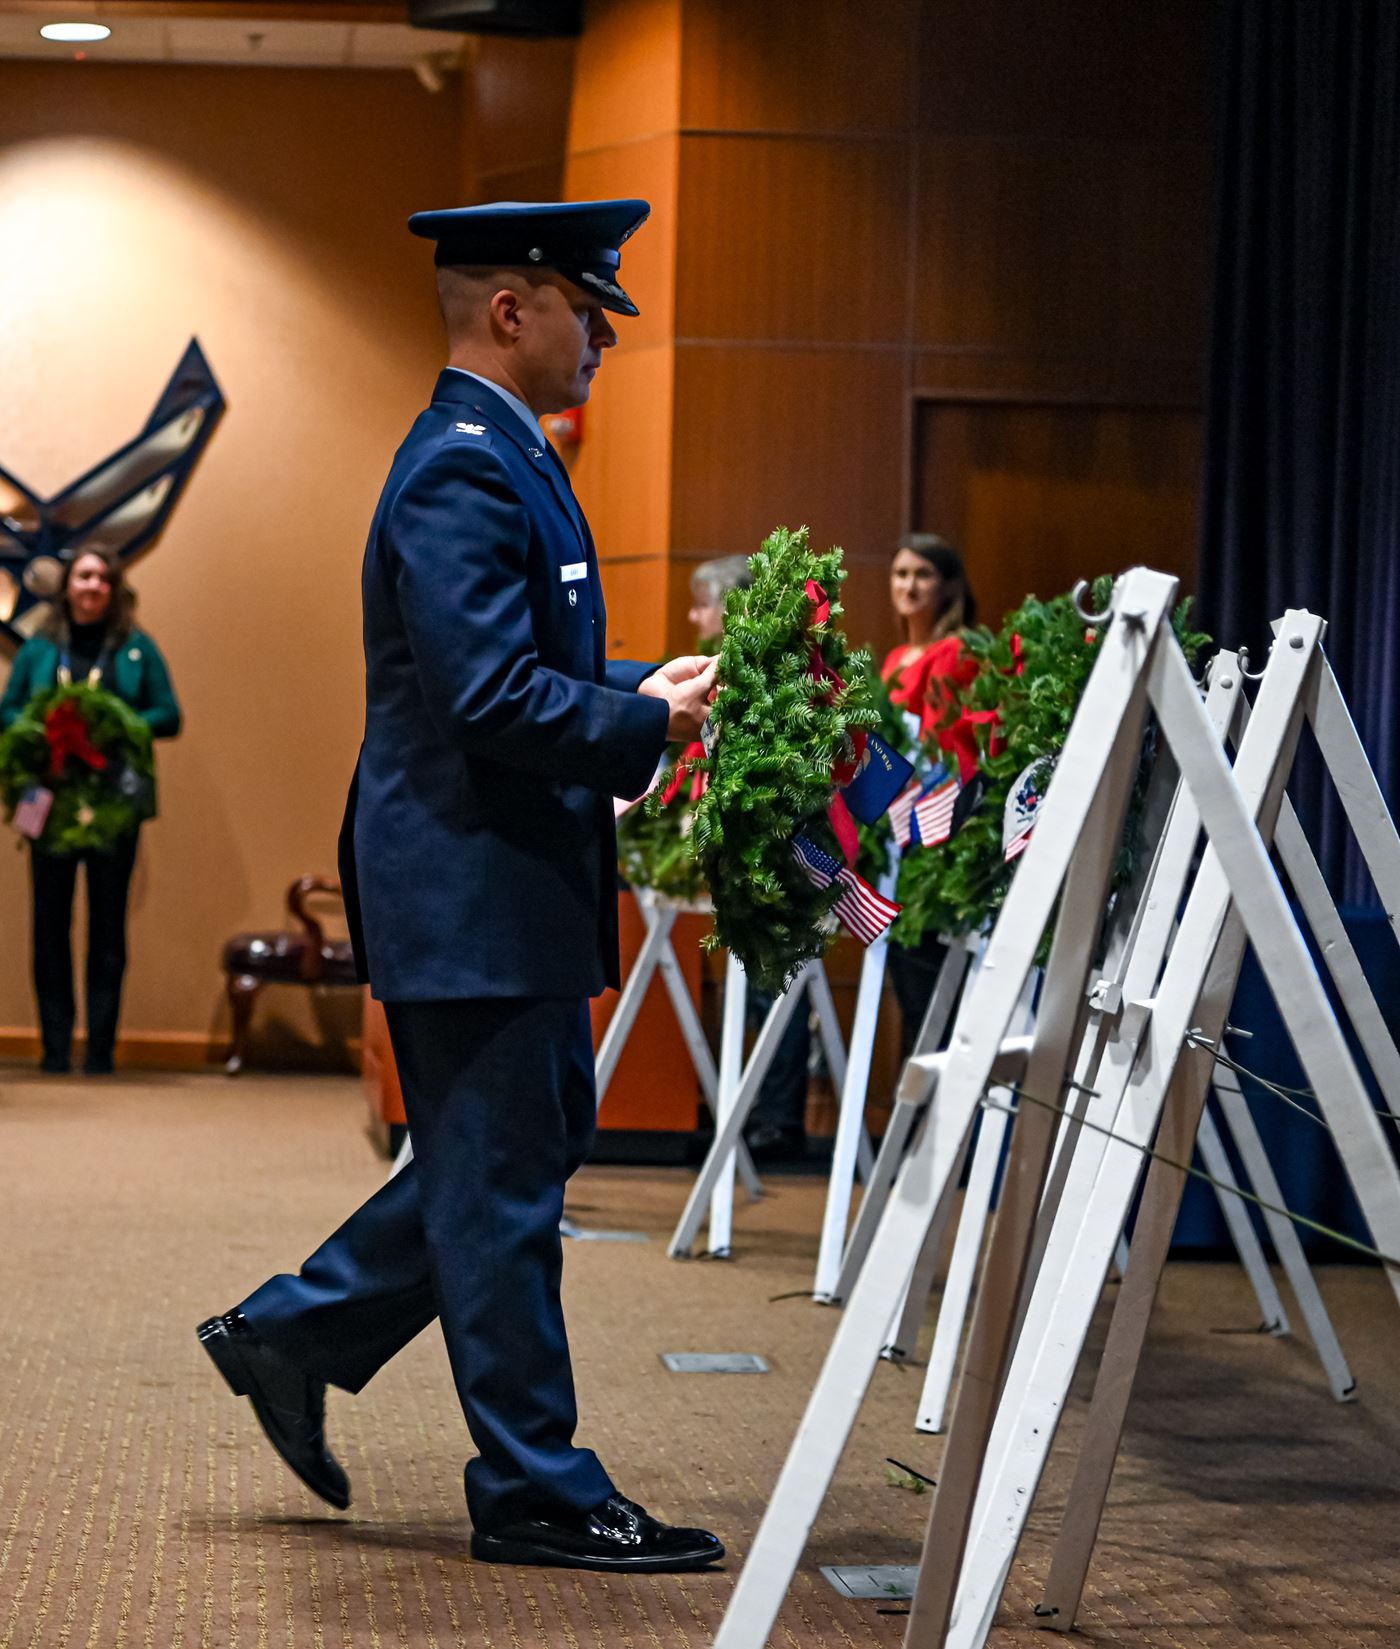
(617, 1535)
(290, 1405)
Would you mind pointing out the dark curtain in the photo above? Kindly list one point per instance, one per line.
(1302, 480)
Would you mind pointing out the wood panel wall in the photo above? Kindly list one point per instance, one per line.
(623, 141)
(1061, 287)
(793, 313)
(860, 215)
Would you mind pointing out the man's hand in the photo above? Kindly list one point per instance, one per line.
(687, 684)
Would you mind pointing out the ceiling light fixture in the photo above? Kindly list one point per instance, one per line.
(73, 33)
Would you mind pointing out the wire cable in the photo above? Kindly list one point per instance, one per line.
(1198, 1173)
(1279, 1090)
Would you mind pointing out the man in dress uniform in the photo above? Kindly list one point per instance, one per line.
(479, 867)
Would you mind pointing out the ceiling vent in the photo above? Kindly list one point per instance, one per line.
(540, 18)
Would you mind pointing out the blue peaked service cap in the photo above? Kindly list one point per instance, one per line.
(580, 239)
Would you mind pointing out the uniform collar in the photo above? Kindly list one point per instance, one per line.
(457, 386)
(516, 405)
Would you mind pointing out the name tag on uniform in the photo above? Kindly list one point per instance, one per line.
(575, 569)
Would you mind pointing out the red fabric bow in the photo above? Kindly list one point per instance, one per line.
(1018, 654)
(68, 736)
(689, 756)
(960, 740)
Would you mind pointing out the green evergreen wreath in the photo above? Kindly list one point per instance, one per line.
(93, 808)
(776, 730)
(959, 886)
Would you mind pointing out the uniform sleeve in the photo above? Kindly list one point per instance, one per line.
(17, 689)
(626, 675)
(160, 709)
(457, 535)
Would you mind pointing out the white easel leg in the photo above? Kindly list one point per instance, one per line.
(1337, 951)
(659, 922)
(1360, 794)
(729, 1131)
(1303, 1006)
(850, 1121)
(1152, 1236)
(1238, 1119)
(829, 1030)
(967, 1248)
(731, 1059)
(908, 1319)
(702, 1059)
(1106, 1059)
(1273, 1319)
(952, 971)
(1059, 1026)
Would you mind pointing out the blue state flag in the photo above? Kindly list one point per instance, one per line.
(882, 774)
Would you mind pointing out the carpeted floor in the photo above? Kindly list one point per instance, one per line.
(139, 1505)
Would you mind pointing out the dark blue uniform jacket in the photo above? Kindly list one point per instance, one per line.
(478, 855)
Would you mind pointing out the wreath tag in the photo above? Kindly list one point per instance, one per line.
(1023, 807)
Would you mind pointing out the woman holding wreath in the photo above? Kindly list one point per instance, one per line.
(88, 637)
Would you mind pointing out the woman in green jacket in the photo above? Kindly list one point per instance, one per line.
(88, 636)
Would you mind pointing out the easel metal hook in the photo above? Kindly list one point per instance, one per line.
(1077, 596)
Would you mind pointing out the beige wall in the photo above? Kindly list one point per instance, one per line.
(263, 211)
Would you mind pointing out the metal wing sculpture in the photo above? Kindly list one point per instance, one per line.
(123, 504)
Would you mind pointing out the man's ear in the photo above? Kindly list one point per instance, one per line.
(505, 310)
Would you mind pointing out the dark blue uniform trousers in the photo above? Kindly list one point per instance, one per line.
(501, 1104)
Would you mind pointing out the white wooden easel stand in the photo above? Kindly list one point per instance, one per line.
(1071, 854)
(1159, 897)
(1059, 1314)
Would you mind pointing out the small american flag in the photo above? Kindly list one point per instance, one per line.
(862, 909)
(933, 811)
(32, 813)
(902, 814)
(1015, 848)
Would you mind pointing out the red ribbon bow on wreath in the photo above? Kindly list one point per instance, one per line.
(689, 756)
(68, 736)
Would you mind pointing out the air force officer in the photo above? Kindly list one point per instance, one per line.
(478, 861)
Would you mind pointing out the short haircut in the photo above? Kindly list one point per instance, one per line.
(464, 290)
